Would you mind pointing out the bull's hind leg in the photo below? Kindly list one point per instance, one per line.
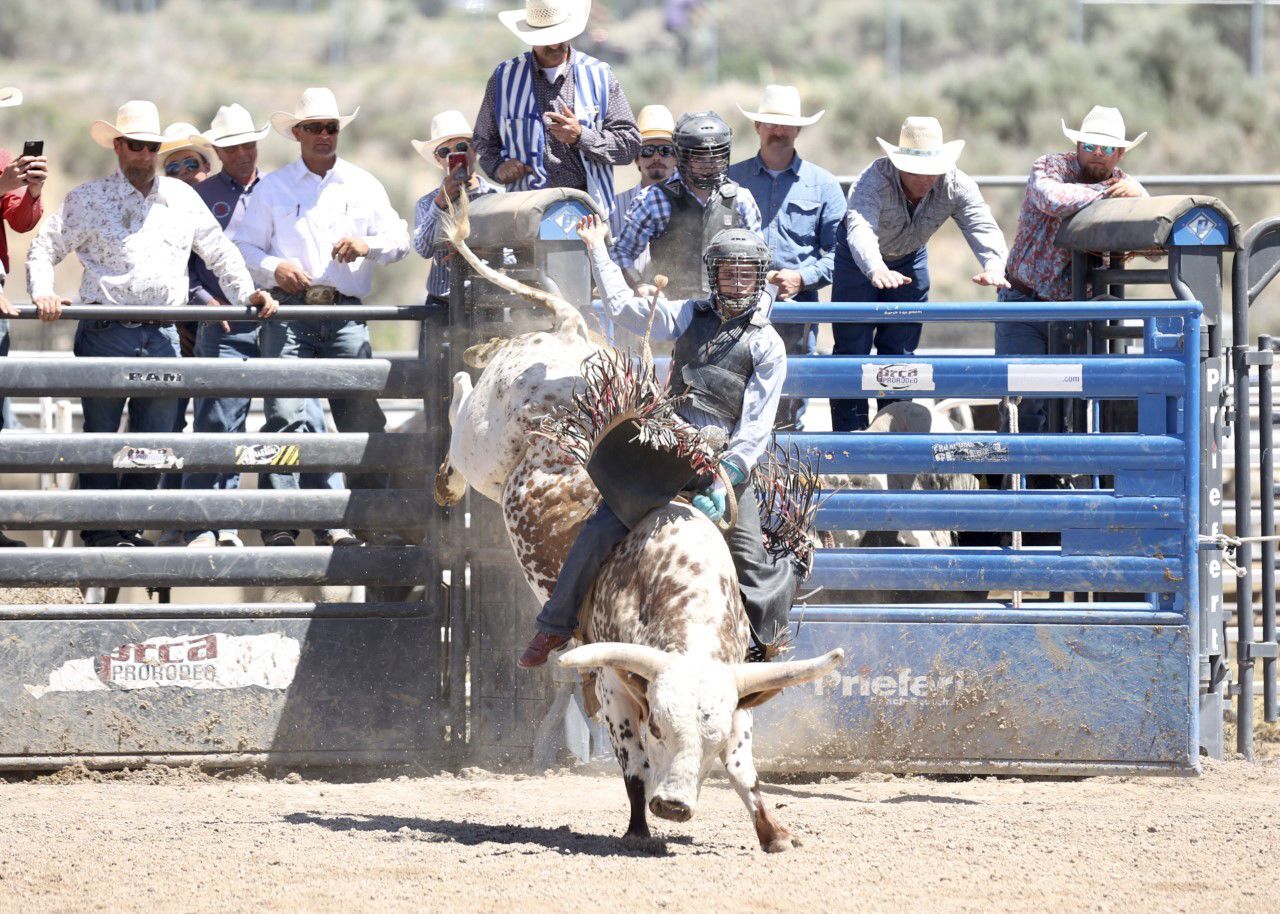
(622, 715)
(774, 836)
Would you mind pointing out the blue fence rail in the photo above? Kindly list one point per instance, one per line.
(1097, 684)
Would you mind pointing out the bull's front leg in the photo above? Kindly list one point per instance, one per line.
(622, 715)
(774, 836)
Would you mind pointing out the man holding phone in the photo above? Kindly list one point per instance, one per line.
(21, 183)
(452, 148)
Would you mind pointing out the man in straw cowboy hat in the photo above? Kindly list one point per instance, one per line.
(895, 206)
(1061, 184)
(133, 232)
(656, 161)
(186, 155)
(450, 135)
(801, 206)
(318, 228)
(553, 116)
(21, 184)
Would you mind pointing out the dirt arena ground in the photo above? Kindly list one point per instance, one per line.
(176, 840)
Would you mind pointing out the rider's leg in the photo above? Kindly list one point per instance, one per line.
(768, 584)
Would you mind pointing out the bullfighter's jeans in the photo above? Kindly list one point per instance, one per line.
(850, 284)
(767, 584)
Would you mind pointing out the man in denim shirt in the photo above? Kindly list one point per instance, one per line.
(801, 207)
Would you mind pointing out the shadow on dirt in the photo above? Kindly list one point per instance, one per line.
(562, 840)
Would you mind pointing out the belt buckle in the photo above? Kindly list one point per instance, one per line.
(132, 325)
(320, 295)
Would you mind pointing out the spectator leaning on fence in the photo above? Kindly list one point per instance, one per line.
(450, 135)
(553, 116)
(317, 228)
(801, 206)
(895, 206)
(1061, 184)
(21, 183)
(133, 233)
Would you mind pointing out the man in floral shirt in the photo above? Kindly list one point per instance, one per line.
(1061, 184)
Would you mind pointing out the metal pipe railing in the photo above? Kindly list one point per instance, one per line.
(1267, 493)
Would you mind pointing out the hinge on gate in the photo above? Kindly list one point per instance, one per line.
(1260, 357)
(1262, 650)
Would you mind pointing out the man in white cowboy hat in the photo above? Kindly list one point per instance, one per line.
(21, 184)
(1061, 184)
(318, 228)
(451, 135)
(134, 233)
(553, 116)
(656, 161)
(186, 155)
(895, 206)
(801, 206)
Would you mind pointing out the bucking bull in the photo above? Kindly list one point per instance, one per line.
(664, 623)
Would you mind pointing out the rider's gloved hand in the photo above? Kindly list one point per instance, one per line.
(736, 474)
(710, 501)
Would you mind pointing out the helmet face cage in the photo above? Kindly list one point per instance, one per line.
(717, 155)
(733, 304)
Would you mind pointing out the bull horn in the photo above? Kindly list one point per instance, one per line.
(769, 677)
(634, 658)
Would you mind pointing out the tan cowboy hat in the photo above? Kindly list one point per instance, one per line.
(1103, 126)
(447, 125)
(315, 105)
(9, 96)
(182, 136)
(920, 149)
(656, 122)
(544, 22)
(233, 125)
(135, 120)
(781, 105)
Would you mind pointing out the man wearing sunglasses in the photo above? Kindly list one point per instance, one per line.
(656, 162)
(1061, 184)
(318, 228)
(450, 143)
(134, 233)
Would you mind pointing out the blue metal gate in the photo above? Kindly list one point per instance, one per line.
(1104, 683)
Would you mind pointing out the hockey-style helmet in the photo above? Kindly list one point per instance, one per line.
(744, 250)
(702, 140)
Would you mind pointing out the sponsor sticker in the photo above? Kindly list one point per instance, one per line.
(209, 661)
(146, 458)
(268, 455)
(899, 686)
(1046, 377)
(154, 377)
(971, 452)
(898, 376)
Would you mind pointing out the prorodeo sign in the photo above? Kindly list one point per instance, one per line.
(898, 376)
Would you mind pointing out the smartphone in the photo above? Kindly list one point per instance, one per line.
(33, 148)
(458, 167)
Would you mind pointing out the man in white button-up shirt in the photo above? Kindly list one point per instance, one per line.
(316, 229)
(133, 233)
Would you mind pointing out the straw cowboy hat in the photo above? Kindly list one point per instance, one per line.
(233, 125)
(920, 149)
(182, 136)
(781, 105)
(656, 123)
(135, 120)
(315, 105)
(447, 125)
(544, 22)
(9, 96)
(1103, 126)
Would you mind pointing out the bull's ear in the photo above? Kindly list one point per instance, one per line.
(637, 689)
(756, 698)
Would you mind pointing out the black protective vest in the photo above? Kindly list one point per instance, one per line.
(677, 252)
(712, 361)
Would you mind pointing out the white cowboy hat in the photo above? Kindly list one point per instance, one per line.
(233, 125)
(447, 125)
(182, 136)
(781, 105)
(656, 123)
(315, 105)
(9, 96)
(1103, 126)
(920, 149)
(135, 120)
(544, 22)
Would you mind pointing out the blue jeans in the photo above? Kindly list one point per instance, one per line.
(1023, 338)
(850, 284)
(799, 339)
(360, 413)
(230, 414)
(111, 339)
(4, 350)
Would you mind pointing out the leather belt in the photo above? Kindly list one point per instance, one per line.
(1021, 287)
(316, 295)
(133, 325)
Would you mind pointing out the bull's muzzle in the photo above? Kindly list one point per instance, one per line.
(671, 809)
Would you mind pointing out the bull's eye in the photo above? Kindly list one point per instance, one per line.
(653, 728)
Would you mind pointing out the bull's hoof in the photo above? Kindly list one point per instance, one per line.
(781, 842)
(449, 486)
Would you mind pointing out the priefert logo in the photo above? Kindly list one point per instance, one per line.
(902, 686)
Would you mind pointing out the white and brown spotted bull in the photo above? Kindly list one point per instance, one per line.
(664, 621)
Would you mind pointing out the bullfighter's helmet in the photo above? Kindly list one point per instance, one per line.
(702, 136)
(744, 252)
